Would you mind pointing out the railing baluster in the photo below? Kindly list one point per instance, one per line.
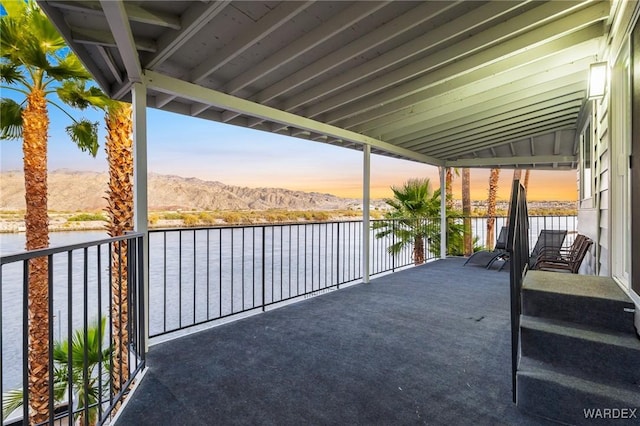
(51, 339)
(25, 340)
(263, 268)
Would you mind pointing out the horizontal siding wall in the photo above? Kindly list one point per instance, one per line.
(593, 215)
(601, 186)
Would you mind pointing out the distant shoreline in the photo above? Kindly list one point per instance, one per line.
(13, 221)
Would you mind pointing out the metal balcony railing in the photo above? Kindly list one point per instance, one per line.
(94, 337)
(195, 276)
(199, 275)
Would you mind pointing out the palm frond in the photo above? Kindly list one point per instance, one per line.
(85, 134)
(11, 401)
(12, 31)
(75, 94)
(69, 67)
(10, 119)
(47, 35)
(11, 74)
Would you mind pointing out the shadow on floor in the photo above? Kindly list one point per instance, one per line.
(428, 345)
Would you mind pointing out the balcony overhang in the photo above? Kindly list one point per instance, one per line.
(494, 84)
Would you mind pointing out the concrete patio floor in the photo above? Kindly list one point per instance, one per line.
(427, 345)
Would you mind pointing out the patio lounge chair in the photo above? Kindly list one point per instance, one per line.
(568, 260)
(549, 242)
(486, 258)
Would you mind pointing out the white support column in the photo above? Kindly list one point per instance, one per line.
(366, 202)
(140, 215)
(443, 213)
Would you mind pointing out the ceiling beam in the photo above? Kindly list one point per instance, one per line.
(417, 46)
(191, 23)
(470, 145)
(113, 68)
(500, 127)
(417, 16)
(500, 121)
(135, 13)
(461, 58)
(106, 39)
(510, 161)
(489, 103)
(313, 38)
(484, 105)
(119, 25)
(452, 82)
(571, 95)
(197, 93)
(265, 26)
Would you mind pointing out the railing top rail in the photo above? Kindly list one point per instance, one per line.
(26, 255)
(251, 225)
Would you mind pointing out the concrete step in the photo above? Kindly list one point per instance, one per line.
(546, 391)
(609, 356)
(581, 299)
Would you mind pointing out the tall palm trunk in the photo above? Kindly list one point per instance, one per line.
(526, 179)
(120, 211)
(418, 250)
(491, 206)
(35, 127)
(466, 211)
(449, 187)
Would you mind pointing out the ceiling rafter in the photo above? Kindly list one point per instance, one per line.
(351, 15)
(501, 127)
(492, 102)
(192, 22)
(119, 24)
(447, 84)
(572, 95)
(508, 161)
(106, 39)
(265, 26)
(518, 132)
(135, 13)
(413, 48)
(409, 20)
(468, 146)
(463, 58)
(571, 106)
(108, 59)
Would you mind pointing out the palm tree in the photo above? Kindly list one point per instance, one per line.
(413, 204)
(494, 176)
(119, 148)
(34, 61)
(466, 211)
(89, 389)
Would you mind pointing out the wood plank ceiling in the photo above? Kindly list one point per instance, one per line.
(480, 84)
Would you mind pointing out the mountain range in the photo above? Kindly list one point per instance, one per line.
(71, 190)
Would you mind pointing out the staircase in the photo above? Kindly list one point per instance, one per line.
(579, 353)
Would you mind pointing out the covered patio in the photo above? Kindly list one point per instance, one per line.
(427, 345)
(451, 84)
